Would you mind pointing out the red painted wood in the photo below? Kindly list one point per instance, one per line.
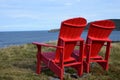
(98, 36)
(69, 35)
(70, 29)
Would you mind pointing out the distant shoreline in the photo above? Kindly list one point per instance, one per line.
(54, 30)
(57, 30)
(116, 21)
(44, 42)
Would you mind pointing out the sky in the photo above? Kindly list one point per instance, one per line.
(30, 15)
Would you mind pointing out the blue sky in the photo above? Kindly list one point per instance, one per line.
(25, 15)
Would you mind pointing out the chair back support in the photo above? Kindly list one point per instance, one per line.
(99, 30)
(70, 30)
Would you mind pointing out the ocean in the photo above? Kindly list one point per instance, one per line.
(24, 37)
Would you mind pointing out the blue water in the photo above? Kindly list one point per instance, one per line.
(23, 37)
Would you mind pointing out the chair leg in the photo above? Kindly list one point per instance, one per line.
(61, 78)
(86, 67)
(38, 66)
(80, 70)
(62, 73)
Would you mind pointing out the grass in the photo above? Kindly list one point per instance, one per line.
(19, 63)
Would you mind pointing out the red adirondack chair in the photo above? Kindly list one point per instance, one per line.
(98, 36)
(69, 35)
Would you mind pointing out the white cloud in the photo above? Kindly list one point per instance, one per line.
(52, 0)
(68, 4)
(19, 13)
(78, 0)
(5, 6)
(22, 15)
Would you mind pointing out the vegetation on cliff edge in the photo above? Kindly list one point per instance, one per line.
(19, 63)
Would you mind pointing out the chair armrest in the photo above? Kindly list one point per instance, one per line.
(97, 39)
(46, 45)
(71, 40)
